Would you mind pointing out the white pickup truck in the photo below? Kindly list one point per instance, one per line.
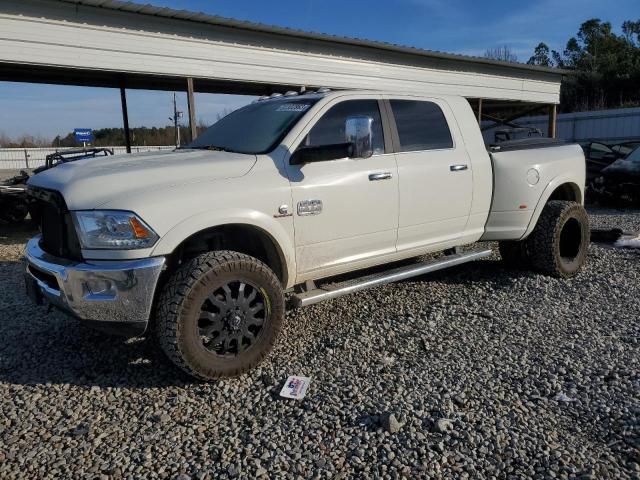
(200, 245)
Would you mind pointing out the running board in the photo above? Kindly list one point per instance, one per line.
(350, 286)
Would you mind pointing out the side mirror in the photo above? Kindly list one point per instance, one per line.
(322, 153)
(359, 133)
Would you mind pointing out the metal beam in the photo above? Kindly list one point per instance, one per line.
(113, 79)
(508, 120)
(553, 120)
(479, 111)
(125, 118)
(192, 109)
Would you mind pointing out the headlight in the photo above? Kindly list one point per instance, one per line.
(112, 229)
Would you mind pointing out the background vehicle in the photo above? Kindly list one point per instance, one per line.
(598, 156)
(625, 148)
(14, 203)
(516, 133)
(281, 196)
(619, 182)
(612, 180)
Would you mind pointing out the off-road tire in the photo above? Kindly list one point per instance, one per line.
(559, 243)
(515, 254)
(179, 307)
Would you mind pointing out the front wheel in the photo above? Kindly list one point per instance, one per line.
(559, 243)
(219, 314)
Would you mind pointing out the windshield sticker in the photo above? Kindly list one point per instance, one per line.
(293, 107)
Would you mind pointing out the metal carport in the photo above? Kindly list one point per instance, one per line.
(110, 43)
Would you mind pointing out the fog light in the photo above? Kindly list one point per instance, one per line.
(100, 286)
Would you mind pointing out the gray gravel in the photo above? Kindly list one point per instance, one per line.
(627, 220)
(477, 372)
(6, 173)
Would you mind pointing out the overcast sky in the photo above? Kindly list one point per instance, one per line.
(458, 26)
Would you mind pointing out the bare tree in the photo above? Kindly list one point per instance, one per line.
(502, 53)
(225, 111)
(23, 141)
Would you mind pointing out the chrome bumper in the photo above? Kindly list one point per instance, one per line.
(116, 295)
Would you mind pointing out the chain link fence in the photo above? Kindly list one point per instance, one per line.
(19, 158)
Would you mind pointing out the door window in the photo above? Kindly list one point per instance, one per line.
(330, 129)
(421, 126)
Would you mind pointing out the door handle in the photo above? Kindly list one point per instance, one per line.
(380, 176)
(458, 168)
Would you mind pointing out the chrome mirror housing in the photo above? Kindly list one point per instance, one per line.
(359, 133)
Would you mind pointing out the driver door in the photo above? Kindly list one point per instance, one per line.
(345, 210)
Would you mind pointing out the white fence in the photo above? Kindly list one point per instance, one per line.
(17, 158)
(609, 126)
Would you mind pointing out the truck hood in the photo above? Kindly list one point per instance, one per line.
(87, 184)
(629, 167)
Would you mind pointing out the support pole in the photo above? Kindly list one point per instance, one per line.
(192, 109)
(479, 111)
(553, 120)
(125, 118)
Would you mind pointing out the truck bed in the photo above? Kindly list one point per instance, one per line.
(525, 175)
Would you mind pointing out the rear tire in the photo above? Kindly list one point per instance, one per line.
(559, 243)
(515, 254)
(219, 314)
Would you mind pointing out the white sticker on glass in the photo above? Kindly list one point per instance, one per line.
(293, 107)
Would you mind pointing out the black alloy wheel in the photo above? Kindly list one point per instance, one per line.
(232, 318)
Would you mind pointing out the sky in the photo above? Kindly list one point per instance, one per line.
(457, 26)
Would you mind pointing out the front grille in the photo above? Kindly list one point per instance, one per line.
(58, 233)
(52, 229)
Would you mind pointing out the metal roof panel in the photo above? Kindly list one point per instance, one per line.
(200, 17)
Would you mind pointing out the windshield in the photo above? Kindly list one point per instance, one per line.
(256, 128)
(625, 148)
(634, 156)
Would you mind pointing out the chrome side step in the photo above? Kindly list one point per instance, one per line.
(350, 286)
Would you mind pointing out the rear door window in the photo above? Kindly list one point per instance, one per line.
(421, 126)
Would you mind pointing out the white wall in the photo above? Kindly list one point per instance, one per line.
(18, 158)
(607, 126)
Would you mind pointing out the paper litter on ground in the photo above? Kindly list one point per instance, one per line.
(628, 242)
(295, 387)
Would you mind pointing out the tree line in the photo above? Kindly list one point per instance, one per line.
(104, 137)
(107, 137)
(604, 67)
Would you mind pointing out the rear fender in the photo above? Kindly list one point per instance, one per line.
(548, 192)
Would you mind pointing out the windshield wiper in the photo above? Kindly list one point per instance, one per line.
(213, 147)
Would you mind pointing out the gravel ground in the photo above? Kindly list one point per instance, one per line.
(6, 173)
(478, 372)
(627, 220)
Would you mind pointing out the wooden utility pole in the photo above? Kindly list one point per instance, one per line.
(125, 117)
(553, 120)
(479, 111)
(192, 109)
(176, 120)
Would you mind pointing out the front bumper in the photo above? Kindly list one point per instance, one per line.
(113, 295)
